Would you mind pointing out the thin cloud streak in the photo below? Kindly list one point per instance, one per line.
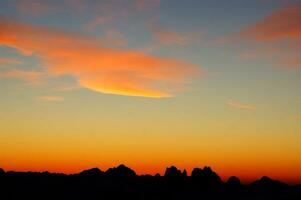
(51, 98)
(166, 36)
(239, 105)
(147, 4)
(31, 77)
(284, 23)
(278, 36)
(98, 20)
(7, 61)
(37, 7)
(106, 70)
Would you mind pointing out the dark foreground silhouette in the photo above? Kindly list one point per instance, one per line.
(122, 183)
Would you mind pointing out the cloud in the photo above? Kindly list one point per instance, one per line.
(168, 37)
(32, 77)
(106, 70)
(277, 36)
(108, 11)
(249, 55)
(284, 23)
(37, 6)
(51, 98)
(62, 88)
(7, 61)
(98, 20)
(147, 4)
(239, 105)
(113, 37)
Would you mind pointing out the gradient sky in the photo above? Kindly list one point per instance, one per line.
(150, 84)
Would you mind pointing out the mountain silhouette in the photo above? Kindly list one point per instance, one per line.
(120, 171)
(268, 183)
(233, 181)
(121, 182)
(206, 176)
(174, 172)
(92, 172)
(2, 171)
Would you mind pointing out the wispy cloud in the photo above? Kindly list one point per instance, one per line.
(278, 37)
(98, 20)
(37, 6)
(284, 23)
(106, 70)
(166, 36)
(239, 105)
(65, 87)
(7, 61)
(147, 4)
(113, 37)
(32, 77)
(51, 98)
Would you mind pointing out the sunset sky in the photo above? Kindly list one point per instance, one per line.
(151, 83)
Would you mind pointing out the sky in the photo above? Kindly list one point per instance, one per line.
(150, 84)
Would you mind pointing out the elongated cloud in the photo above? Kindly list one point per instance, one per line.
(242, 106)
(169, 37)
(281, 24)
(101, 69)
(37, 6)
(31, 77)
(279, 36)
(147, 4)
(7, 61)
(51, 98)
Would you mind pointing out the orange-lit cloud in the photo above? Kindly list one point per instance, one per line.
(113, 37)
(37, 6)
(32, 77)
(281, 24)
(106, 70)
(147, 4)
(239, 105)
(6, 61)
(98, 20)
(51, 98)
(65, 87)
(291, 62)
(169, 37)
(249, 55)
(278, 36)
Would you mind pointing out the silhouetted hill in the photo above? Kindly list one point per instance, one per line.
(206, 176)
(2, 171)
(268, 183)
(122, 183)
(92, 172)
(174, 172)
(120, 171)
(233, 181)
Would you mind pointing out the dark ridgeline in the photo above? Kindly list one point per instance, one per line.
(122, 183)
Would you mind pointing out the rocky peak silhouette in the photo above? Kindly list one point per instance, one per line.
(2, 171)
(92, 172)
(206, 176)
(174, 172)
(120, 171)
(233, 181)
(112, 184)
(268, 183)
